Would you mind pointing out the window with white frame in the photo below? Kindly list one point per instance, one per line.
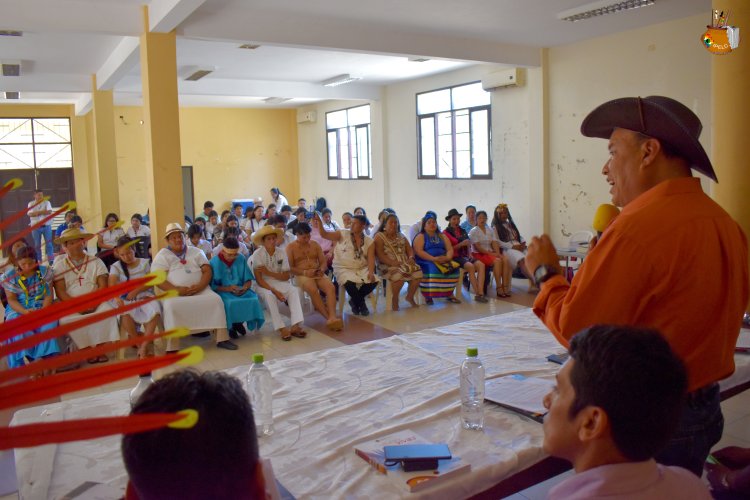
(35, 143)
(454, 133)
(348, 137)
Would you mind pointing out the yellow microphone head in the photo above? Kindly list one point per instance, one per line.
(604, 215)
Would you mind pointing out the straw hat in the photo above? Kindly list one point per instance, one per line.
(73, 233)
(265, 231)
(172, 227)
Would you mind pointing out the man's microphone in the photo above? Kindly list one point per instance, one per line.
(604, 215)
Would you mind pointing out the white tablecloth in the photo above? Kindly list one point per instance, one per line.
(326, 402)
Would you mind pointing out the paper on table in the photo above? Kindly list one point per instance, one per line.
(518, 391)
(743, 342)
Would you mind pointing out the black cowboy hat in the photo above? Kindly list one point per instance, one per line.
(451, 213)
(656, 116)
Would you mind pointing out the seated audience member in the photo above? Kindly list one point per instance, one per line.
(354, 262)
(197, 307)
(237, 211)
(471, 219)
(511, 241)
(217, 458)
(328, 224)
(140, 231)
(320, 205)
(730, 477)
(346, 220)
(272, 275)
(211, 223)
(76, 223)
(233, 222)
(28, 287)
(270, 211)
(416, 228)
(286, 211)
(236, 233)
(9, 263)
(232, 280)
(195, 239)
(361, 211)
(128, 267)
(434, 254)
(461, 243)
(219, 228)
(107, 239)
(246, 216)
(278, 198)
(487, 249)
(300, 216)
(381, 219)
(77, 274)
(326, 245)
(255, 220)
(396, 262)
(279, 222)
(62, 227)
(208, 207)
(616, 403)
(308, 263)
(302, 203)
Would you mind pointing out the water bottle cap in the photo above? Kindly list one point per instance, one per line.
(257, 358)
(472, 352)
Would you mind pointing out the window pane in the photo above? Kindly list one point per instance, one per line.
(427, 142)
(480, 142)
(333, 164)
(344, 153)
(336, 119)
(468, 96)
(363, 153)
(53, 156)
(16, 156)
(51, 130)
(432, 102)
(445, 145)
(463, 164)
(15, 130)
(359, 115)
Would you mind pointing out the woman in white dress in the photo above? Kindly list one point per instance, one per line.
(487, 250)
(254, 221)
(197, 307)
(107, 239)
(278, 198)
(126, 268)
(138, 230)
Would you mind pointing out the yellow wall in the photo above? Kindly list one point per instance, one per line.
(235, 153)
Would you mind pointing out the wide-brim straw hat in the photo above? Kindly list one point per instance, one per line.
(656, 116)
(172, 227)
(265, 231)
(73, 233)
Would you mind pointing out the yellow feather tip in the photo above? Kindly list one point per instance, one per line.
(70, 205)
(15, 182)
(177, 333)
(194, 355)
(188, 420)
(169, 294)
(157, 277)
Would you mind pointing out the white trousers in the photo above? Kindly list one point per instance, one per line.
(293, 297)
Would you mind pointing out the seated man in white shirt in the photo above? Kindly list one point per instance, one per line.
(195, 239)
(616, 403)
(76, 274)
(279, 222)
(197, 307)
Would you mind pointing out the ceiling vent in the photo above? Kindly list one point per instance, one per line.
(249, 46)
(197, 75)
(11, 69)
(276, 100)
(11, 33)
(13, 95)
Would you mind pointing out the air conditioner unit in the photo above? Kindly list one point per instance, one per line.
(307, 117)
(513, 77)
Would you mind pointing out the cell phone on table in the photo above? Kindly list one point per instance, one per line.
(416, 452)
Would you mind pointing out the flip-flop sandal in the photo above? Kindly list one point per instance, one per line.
(103, 358)
(300, 334)
(92, 361)
(453, 300)
(336, 325)
(286, 338)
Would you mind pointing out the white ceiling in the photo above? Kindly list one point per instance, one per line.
(302, 43)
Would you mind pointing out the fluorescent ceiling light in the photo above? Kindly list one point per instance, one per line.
(276, 100)
(198, 74)
(12, 94)
(249, 46)
(340, 80)
(601, 8)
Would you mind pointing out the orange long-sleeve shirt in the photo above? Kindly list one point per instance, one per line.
(673, 260)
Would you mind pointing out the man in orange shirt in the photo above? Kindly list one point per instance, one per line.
(673, 260)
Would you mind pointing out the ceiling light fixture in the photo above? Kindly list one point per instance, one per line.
(601, 8)
(197, 75)
(340, 80)
(249, 46)
(11, 33)
(276, 100)
(11, 68)
(418, 59)
(12, 95)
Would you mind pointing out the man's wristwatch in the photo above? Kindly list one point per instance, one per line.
(543, 273)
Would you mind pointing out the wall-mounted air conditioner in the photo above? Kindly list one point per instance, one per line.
(307, 117)
(513, 77)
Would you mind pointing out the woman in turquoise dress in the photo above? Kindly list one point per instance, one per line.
(432, 248)
(28, 287)
(232, 279)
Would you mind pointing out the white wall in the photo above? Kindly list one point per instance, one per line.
(664, 59)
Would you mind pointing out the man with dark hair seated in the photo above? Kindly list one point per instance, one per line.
(616, 403)
(218, 458)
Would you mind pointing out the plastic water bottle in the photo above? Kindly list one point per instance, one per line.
(472, 391)
(260, 389)
(144, 382)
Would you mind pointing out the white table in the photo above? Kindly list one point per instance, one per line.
(326, 402)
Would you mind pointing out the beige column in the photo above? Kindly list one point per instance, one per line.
(162, 129)
(730, 81)
(105, 152)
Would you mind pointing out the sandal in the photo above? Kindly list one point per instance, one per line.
(300, 334)
(92, 361)
(453, 300)
(286, 336)
(103, 358)
(336, 324)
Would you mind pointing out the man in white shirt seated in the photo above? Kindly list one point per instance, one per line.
(197, 307)
(617, 401)
(217, 458)
(76, 274)
(279, 222)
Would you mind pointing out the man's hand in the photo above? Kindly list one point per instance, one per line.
(132, 295)
(370, 277)
(541, 251)
(279, 296)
